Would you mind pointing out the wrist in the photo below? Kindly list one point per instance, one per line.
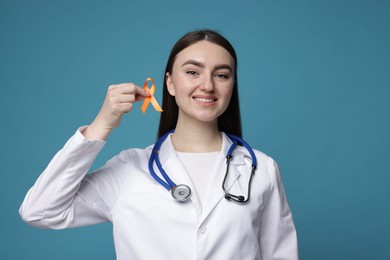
(96, 131)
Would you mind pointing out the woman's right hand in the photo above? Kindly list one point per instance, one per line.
(119, 101)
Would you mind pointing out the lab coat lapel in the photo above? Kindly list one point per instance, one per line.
(216, 192)
(177, 172)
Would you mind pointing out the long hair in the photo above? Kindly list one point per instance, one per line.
(230, 120)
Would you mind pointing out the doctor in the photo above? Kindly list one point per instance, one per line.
(200, 103)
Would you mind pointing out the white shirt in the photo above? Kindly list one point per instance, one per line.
(148, 223)
(201, 167)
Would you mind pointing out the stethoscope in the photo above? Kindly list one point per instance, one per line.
(182, 192)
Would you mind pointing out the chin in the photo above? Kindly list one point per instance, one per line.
(207, 118)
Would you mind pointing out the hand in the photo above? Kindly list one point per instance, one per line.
(119, 101)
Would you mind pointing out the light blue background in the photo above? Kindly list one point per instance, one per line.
(314, 89)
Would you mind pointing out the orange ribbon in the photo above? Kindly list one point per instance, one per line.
(151, 98)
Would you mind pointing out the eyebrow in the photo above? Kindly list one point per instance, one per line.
(201, 65)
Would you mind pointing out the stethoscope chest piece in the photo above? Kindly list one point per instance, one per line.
(181, 192)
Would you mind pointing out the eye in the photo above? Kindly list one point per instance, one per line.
(222, 75)
(192, 73)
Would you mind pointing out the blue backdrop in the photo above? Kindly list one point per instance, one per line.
(314, 90)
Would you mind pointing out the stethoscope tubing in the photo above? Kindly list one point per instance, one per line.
(237, 140)
(171, 186)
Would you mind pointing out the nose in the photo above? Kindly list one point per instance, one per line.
(207, 84)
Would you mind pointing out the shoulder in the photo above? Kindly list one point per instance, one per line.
(122, 169)
(127, 161)
(261, 157)
(130, 156)
(266, 165)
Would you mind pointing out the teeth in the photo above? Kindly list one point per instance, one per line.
(206, 100)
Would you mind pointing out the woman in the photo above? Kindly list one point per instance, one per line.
(200, 102)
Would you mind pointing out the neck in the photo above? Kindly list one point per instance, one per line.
(197, 138)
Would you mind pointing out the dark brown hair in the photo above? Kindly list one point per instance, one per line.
(230, 120)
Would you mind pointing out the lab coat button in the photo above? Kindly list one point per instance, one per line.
(202, 229)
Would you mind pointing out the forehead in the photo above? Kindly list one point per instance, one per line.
(205, 52)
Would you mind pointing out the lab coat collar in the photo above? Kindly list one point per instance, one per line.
(167, 150)
(179, 175)
(177, 172)
(216, 193)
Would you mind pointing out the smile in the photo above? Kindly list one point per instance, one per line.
(204, 100)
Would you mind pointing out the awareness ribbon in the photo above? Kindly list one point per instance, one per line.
(151, 98)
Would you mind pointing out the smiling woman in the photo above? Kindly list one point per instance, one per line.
(202, 83)
(200, 146)
(230, 120)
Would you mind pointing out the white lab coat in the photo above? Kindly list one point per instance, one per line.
(148, 223)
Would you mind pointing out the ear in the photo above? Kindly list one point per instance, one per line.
(170, 87)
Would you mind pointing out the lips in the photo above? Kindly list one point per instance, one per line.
(205, 99)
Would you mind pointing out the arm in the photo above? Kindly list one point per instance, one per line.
(56, 200)
(278, 237)
(52, 201)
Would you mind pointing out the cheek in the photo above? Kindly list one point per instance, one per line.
(227, 92)
(181, 86)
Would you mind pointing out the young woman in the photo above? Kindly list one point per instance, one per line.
(225, 201)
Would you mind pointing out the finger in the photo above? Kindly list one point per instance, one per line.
(129, 88)
(123, 98)
(122, 108)
(129, 98)
(126, 107)
(126, 92)
(141, 92)
(124, 88)
(140, 98)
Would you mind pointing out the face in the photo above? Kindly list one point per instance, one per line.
(202, 81)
